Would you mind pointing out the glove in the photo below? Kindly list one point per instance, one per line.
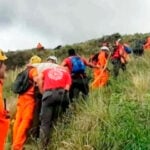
(6, 114)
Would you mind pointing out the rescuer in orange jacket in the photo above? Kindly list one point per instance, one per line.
(25, 109)
(101, 75)
(4, 120)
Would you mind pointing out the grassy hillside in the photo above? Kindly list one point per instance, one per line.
(116, 117)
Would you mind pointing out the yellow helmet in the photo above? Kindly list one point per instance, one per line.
(35, 59)
(2, 55)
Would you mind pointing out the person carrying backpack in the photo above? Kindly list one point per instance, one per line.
(118, 58)
(4, 120)
(51, 62)
(77, 67)
(101, 75)
(25, 108)
(54, 84)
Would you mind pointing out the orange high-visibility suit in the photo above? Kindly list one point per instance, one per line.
(4, 122)
(101, 75)
(24, 115)
(147, 44)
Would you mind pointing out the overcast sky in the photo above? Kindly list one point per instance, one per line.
(24, 23)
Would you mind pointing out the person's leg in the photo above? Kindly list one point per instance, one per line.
(17, 122)
(84, 87)
(4, 122)
(4, 127)
(71, 92)
(66, 101)
(74, 90)
(46, 122)
(104, 79)
(116, 67)
(21, 133)
(123, 66)
(35, 127)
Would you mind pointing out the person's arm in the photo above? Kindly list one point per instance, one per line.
(33, 74)
(2, 70)
(89, 64)
(67, 87)
(63, 63)
(68, 81)
(40, 82)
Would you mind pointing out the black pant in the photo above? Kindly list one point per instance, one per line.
(35, 127)
(51, 102)
(117, 65)
(79, 84)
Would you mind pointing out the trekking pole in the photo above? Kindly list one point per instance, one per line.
(5, 108)
(102, 70)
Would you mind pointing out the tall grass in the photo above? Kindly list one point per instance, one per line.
(116, 117)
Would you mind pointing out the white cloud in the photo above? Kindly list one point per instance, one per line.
(52, 22)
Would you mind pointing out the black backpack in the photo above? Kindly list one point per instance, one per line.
(138, 47)
(22, 82)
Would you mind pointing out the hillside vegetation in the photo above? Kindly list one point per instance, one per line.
(20, 57)
(116, 117)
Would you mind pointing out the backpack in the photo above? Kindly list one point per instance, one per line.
(128, 49)
(78, 65)
(138, 47)
(22, 82)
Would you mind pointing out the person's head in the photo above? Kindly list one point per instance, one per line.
(3, 57)
(105, 48)
(105, 44)
(35, 59)
(119, 41)
(71, 52)
(52, 59)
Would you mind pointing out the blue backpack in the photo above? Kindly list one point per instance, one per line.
(128, 49)
(78, 65)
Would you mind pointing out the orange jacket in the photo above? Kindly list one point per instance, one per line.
(101, 75)
(4, 122)
(24, 115)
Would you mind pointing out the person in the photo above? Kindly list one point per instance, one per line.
(118, 58)
(25, 109)
(79, 80)
(54, 84)
(52, 59)
(101, 75)
(4, 119)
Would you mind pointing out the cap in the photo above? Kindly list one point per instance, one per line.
(2, 55)
(35, 59)
(54, 58)
(105, 48)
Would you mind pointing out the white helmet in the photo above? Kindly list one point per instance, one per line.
(54, 58)
(105, 48)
